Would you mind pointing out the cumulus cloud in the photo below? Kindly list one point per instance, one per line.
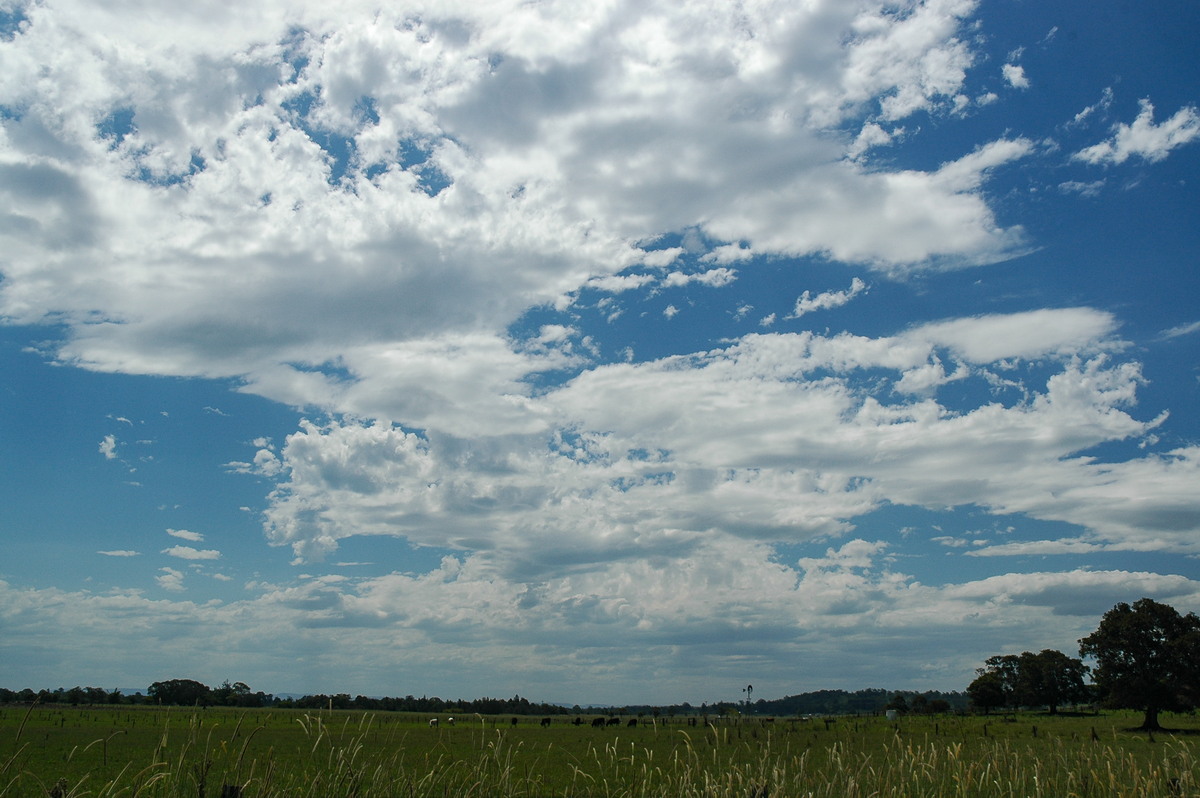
(261, 129)
(807, 303)
(108, 447)
(694, 622)
(170, 579)
(353, 212)
(761, 452)
(1014, 75)
(714, 278)
(1025, 335)
(184, 534)
(189, 553)
(1144, 139)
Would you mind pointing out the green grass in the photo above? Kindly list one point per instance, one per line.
(139, 751)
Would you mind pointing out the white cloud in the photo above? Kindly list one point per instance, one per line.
(1030, 334)
(1144, 139)
(1014, 75)
(184, 534)
(120, 553)
(541, 191)
(189, 553)
(762, 452)
(713, 278)
(615, 284)
(1103, 105)
(1037, 548)
(827, 300)
(1181, 330)
(1089, 189)
(871, 135)
(170, 579)
(728, 253)
(511, 156)
(693, 620)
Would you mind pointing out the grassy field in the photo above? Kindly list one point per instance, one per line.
(215, 753)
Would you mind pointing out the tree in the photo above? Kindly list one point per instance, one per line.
(987, 691)
(998, 683)
(1147, 657)
(182, 692)
(1049, 678)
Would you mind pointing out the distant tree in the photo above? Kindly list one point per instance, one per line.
(987, 691)
(180, 692)
(939, 706)
(234, 695)
(1147, 657)
(1051, 678)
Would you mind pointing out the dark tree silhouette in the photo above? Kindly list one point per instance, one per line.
(987, 691)
(1049, 678)
(1147, 657)
(182, 692)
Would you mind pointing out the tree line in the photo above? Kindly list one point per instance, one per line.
(1147, 658)
(191, 693)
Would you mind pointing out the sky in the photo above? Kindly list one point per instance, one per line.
(613, 352)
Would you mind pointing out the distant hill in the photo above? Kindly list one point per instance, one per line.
(823, 702)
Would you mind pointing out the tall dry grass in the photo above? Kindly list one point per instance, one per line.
(351, 761)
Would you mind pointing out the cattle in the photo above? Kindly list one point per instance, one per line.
(578, 721)
(598, 723)
(545, 722)
(514, 721)
(614, 721)
(450, 721)
(632, 722)
(433, 722)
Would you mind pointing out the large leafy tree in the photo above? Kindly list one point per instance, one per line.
(987, 691)
(1049, 678)
(1147, 657)
(183, 692)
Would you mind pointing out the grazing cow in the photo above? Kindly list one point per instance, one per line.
(614, 721)
(632, 722)
(545, 722)
(598, 723)
(433, 722)
(578, 721)
(514, 721)
(450, 721)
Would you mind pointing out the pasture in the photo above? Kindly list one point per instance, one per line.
(238, 753)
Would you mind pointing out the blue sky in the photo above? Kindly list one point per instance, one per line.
(618, 353)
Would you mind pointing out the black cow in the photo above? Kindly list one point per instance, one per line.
(545, 722)
(598, 723)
